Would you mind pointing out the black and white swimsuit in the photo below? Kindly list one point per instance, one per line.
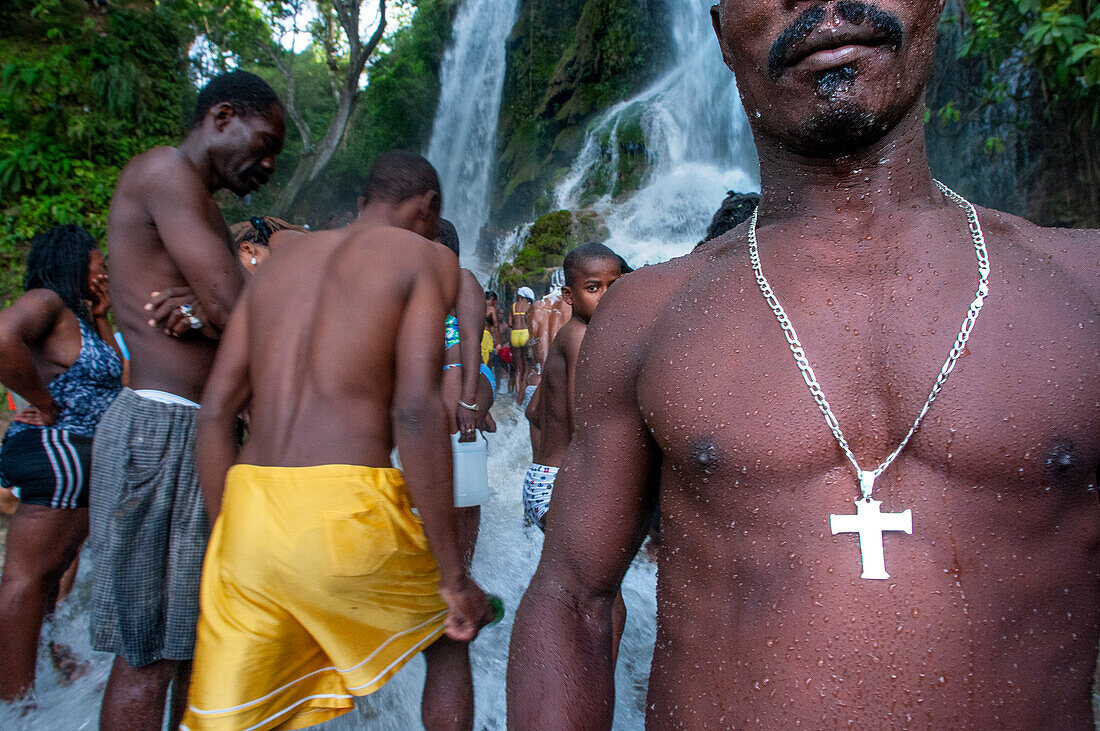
(49, 466)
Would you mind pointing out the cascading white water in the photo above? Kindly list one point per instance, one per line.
(465, 130)
(697, 143)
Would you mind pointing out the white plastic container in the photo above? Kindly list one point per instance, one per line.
(471, 471)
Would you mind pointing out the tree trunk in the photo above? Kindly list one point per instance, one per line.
(315, 158)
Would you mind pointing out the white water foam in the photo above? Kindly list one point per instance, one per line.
(697, 144)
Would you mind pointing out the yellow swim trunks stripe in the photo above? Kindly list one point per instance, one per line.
(318, 586)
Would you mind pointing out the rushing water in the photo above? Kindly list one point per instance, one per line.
(506, 556)
(465, 129)
(697, 146)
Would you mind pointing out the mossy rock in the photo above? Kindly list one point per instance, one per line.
(567, 61)
(551, 237)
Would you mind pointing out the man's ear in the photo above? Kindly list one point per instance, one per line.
(567, 295)
(223, 113)
(430, 205)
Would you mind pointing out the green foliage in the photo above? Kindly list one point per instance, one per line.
(78, 98)
(395, 111)
(567, 61)
(1060, 39)
(552, 236)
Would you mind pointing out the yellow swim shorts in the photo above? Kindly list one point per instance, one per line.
(520, 338)
(486, 346)
(318, 586)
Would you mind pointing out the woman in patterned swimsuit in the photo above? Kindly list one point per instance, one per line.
(58, 352)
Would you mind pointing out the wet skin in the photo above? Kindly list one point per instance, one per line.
(990, 617)
(370, 301)
(547, 317)
(165, 231)
(336, 350)
(40, 339)
(517, 320)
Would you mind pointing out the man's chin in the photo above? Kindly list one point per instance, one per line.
(842, 128)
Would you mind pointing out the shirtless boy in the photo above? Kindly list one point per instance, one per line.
(590, 270)
(148, 528)
(320, 582)
(771, 611)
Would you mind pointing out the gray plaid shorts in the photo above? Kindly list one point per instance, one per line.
(148, 531)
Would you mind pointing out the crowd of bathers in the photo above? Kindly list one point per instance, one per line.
(88, 449)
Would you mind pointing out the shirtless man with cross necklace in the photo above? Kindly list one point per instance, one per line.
(762, 385)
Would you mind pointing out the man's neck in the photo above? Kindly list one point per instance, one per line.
(195, 149)
(384, 213)
(863, 192)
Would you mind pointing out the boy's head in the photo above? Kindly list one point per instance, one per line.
(407, 187)
(589, 270)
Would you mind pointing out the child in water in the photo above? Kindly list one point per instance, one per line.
(590, 270)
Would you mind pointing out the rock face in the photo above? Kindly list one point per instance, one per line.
(544, 248)
(1014, 150)
(567, 61)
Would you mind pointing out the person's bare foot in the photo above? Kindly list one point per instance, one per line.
(66, 663)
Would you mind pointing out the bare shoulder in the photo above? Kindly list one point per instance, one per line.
(1074, 253)
(569, 338)
(410, 258)
(638, 299)
(34, 313)
(160, 166)
(285, 238)
(40, 299)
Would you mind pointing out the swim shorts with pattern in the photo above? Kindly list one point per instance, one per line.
(538, 484)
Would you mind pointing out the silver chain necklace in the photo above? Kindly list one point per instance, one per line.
(869, 522)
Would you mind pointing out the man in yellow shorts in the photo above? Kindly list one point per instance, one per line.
(328, 569)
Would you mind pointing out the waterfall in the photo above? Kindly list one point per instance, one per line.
(465, 130)
(694, 137)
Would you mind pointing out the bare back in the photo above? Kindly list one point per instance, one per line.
(556, 395)
(324, 316)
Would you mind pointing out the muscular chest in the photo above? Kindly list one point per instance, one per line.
(726, 401)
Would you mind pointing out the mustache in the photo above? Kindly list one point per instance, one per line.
(854, 11)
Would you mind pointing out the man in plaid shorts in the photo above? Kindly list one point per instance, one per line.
(177, 279)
